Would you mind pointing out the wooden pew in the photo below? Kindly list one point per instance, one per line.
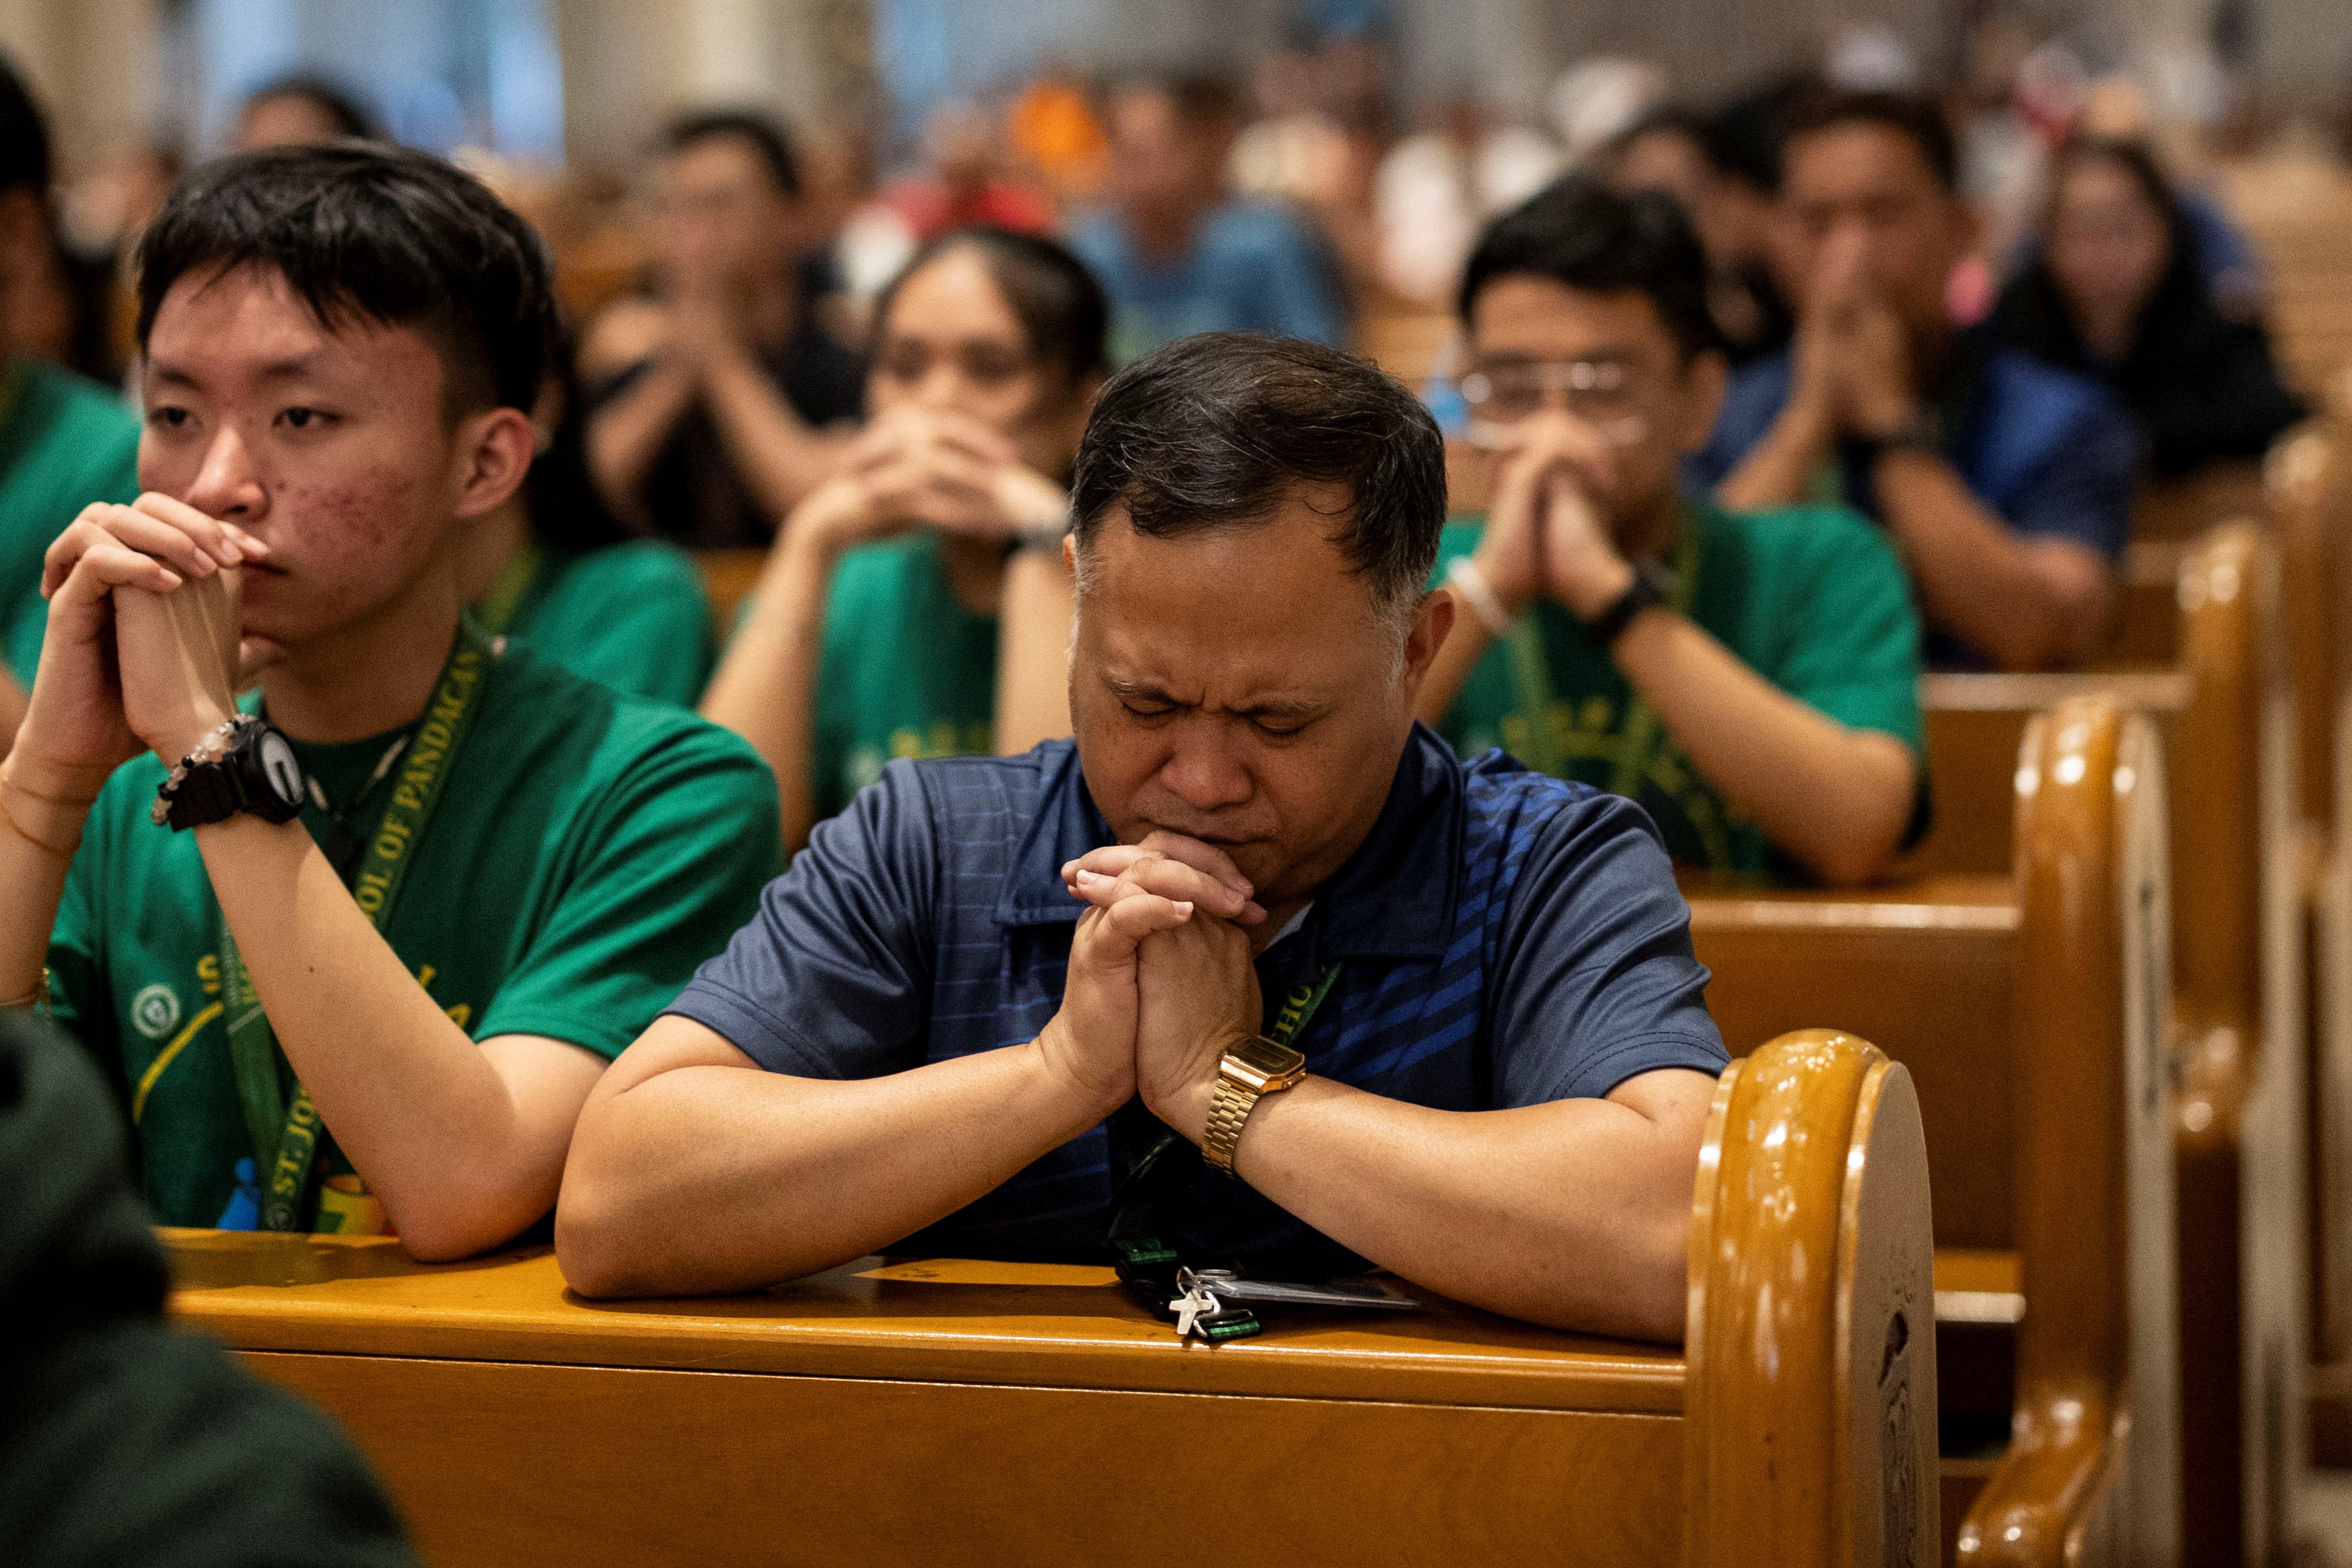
(2227, 713)
(955, 1412)
(2310, 477)
(2029, 1009)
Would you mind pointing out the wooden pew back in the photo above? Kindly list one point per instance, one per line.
(2030, 1011)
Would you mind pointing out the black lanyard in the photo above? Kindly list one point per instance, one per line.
(1147, 1265)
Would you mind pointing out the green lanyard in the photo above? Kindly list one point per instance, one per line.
(1637, 741)
(287, 1136)
(496, 611)
(1145, 1262)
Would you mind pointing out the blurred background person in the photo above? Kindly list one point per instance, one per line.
(2006, 483)
(917, 603)
(65, 442)
(1175, 252)
(1750, 678)
(301, 110)
(961, 182)
(1696, 159)
(1437, 188)
(551, 565)
(2115, 290)
(714, 402)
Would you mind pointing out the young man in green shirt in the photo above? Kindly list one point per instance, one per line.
(353, 959)
(1751, 679)
(64, 442)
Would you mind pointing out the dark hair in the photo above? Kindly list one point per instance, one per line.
(1579, 232)
(1745, 136)
(24, 135)
(1059, 304)
(329, 100)
(768, 140)
(385, 232)
(1213, 431)
(1918, 118)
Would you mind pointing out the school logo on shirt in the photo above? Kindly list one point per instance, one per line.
(156, 1012)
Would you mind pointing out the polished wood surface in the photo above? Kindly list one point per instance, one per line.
(960, 1411)
(1924, 969)
(1814, 1155)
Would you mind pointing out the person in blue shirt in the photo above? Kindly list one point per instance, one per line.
(1176, 254)
(2006, 483)
(979, 1012)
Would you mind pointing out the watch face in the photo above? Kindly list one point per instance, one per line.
(1262, 1059)
(279, 766)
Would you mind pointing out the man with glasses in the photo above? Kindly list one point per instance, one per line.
(1750, 678)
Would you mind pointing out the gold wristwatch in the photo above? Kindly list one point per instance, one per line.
(1256, 1067)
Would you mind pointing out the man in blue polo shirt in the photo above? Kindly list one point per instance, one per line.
(978, 1014)
(2004, 482)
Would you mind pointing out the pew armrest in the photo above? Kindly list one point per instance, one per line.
(1810, 1404)
(2055, 1495)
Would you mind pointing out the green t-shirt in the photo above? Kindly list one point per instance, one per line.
(64, 442)
(631, 615)
(909, 669)
(590, 850)
(1811, 597)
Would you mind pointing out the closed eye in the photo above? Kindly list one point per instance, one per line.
(305, 418)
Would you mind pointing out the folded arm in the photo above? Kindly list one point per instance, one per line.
(1575, 1214)
(695, 1172)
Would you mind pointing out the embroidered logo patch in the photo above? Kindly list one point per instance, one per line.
(156, 1012)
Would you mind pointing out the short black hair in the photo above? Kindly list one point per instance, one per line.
(1918, 118)
(349, 120)
(1743, 137)
(767, 138)
(1213, 431)
(1579, 232)
(1059, 304)
(385, 232)
(24, 135)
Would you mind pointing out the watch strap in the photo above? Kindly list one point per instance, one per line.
(1230, 1104)
(1650, 588)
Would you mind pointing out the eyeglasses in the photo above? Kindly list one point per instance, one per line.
(1601, 392)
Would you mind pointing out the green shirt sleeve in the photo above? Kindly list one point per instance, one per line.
(633, 616)
(78, 1000)
(1853, 647)
(670, 865)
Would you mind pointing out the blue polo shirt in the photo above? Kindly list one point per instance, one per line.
(1507, 939)
(2049, 451)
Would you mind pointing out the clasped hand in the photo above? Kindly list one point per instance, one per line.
(1161, 982)
(928, 467)
(142, 648)
(1548, 531)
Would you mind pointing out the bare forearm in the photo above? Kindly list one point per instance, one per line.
(36, 846)
(1032, 652)
(2026, 604)
(11, 711)
(706, 1180)
(1837, 799)
(421, 1113)
(1779, 470)
(765, 688)
(626, 434)
(1575, 1214)
(774, 449)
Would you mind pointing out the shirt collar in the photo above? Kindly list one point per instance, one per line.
(1393, 898)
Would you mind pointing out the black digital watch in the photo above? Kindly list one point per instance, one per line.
(1652, 586)
(247, 765)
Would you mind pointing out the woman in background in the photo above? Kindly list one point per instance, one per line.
(916, 604)
(555, 568)
(2116, 291)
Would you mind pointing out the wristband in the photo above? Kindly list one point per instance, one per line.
(1462, 575)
